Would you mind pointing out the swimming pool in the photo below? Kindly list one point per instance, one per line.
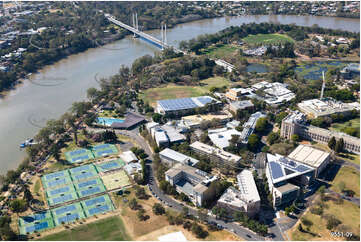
(108, 121)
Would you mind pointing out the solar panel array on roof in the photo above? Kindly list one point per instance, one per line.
(177, 104)
(276, 170)
(302, 168)
(204, 100)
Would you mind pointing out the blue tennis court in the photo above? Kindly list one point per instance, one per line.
(65, 209)
(100, 147)
(54, 175)
(58, 190)
(35, 222)
(55, 183)
(79, 155)
(62, 198)
(36, 227)
(90, 191)
(84, 176)
(68, 218)
(99, 209)
(87, 183)
(93, 201)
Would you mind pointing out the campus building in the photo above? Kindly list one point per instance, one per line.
(326, 106)
(294, 123)
(222, 137)
(165, 135)
(172, 157)
(244, 199)
(310, 156)
(285, 177)
(272, 93)
(250, 125)
(182, 106)
(191, 181)
(214, 154)
(240, 105)
(194, 121)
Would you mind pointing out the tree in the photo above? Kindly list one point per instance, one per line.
(133, 204)
(261, 125)
(272, 138)
(332, 143)
(157, 117)
(295, 138)
(141, 214)
(158, 209)
(185, 211)
(339, 145)
(253, 142)
(18, 205)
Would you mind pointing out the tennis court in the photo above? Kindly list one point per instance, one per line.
(101, 204)
(110, 165)
(76, 156)
(67, 213)
(90, 190)
(104, 150)
(56, 179)
(84, 172)
(115, 180)
(36, 222)
(61, 195)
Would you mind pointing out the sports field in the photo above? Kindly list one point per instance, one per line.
(36, 222)
(115, 180)
(267, 39)
(76, 156)
(220, 52)
(104, 150)
(108, 229)
(175, 91)
(110, 165)
(68, 213)
(61, 195)
(101, 204)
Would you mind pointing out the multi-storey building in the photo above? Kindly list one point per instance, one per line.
(294, 124)
(217, 155)
(191, 181)
(245, 198)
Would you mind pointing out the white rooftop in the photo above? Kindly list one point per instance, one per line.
(221, 137)
(308, 155)
(179, 157)
(247, 186)
(215, 151)
(128, 156)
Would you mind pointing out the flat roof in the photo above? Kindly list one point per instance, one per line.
(179, 167)
(287, 188)
(179, 157)
(242, 104)
(221, 137)
(215, 151)
(309, 155)
(176, 236)
(128, 156)
(184, 103)
(282, 168)
(247, 186)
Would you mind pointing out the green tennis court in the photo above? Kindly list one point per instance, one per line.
(68, 213)
(61, 195)
(115, 180)
(104, 150)
(79, 155)
(84, 172)
(35, 222)
(101, 204)
(110, 165)
(56, 179)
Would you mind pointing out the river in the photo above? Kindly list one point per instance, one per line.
(51, 92)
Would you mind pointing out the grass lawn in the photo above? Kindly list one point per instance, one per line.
(348, 213)
(351, 177)
(111, 228)
(220, 52)
(175, 91)
(267, 39)
(350, 158)
(353, 123)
